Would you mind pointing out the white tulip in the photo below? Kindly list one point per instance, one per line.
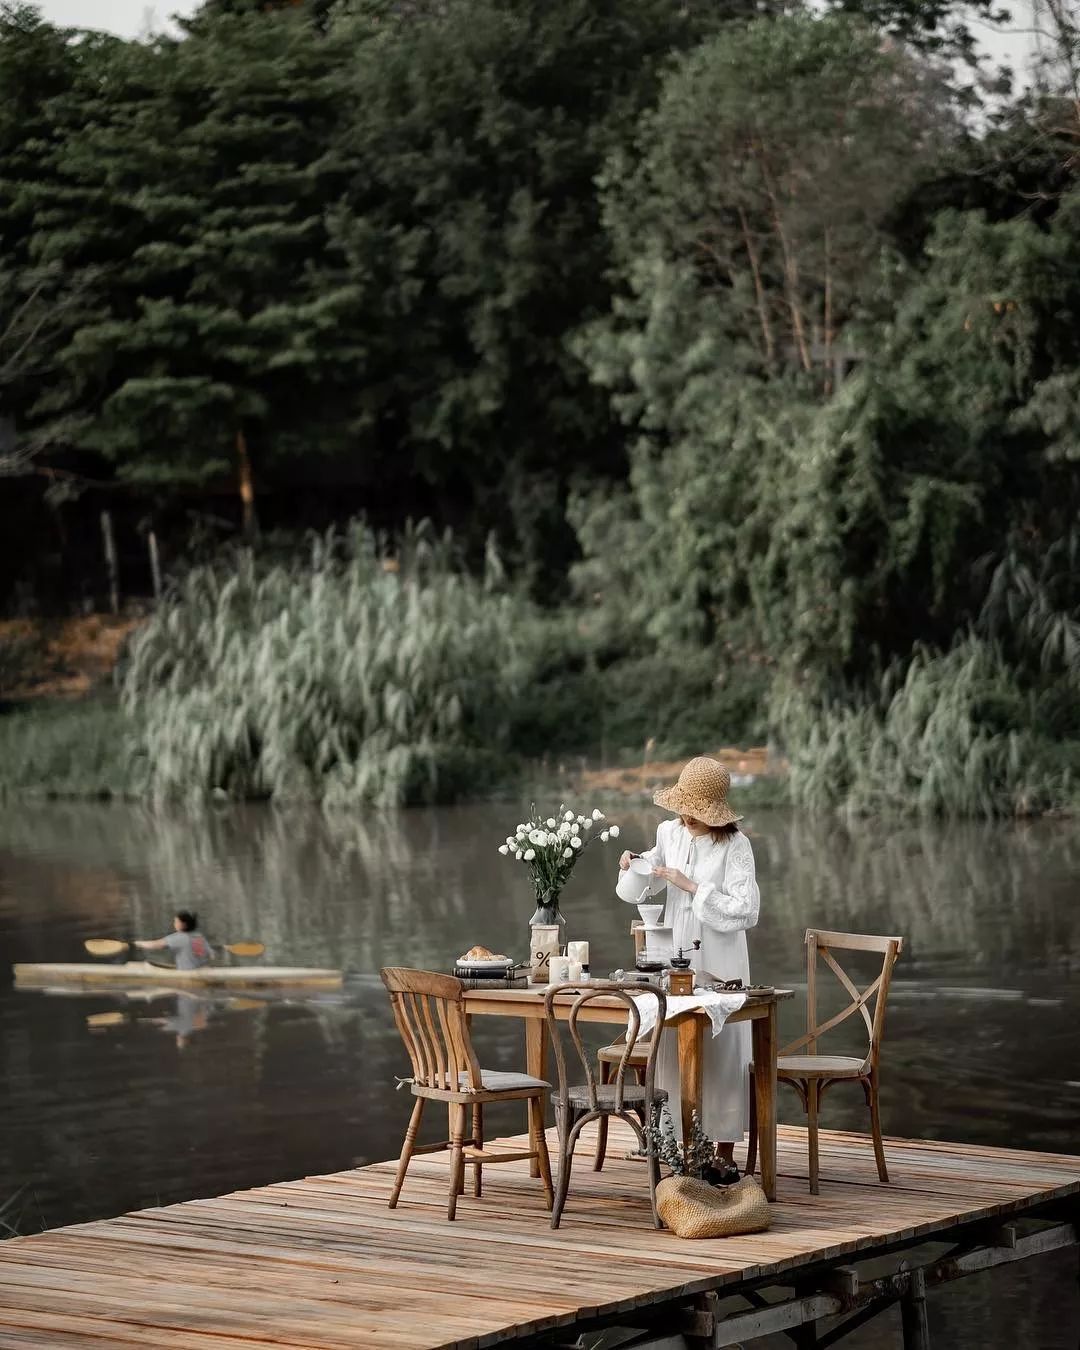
(604, 836)
(529, 855)
(575, 828)
(504, 849)
(614, 831)
(575, 842)
(581, 820)
(550, 822)
(597, 815)
(517, 855)
(586, 824)
(569, 816)
(568, 852)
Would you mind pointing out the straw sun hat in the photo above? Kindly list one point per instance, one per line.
(701, 792)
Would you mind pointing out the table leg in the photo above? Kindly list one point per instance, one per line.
(764, 1050)
(691, 1031)
(536, 1064)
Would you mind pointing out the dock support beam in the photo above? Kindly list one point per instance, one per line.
(913, 1313)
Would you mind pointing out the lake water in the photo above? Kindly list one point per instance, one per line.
(173, 1098)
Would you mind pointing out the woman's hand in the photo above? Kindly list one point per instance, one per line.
(624, 861)
(676, 878)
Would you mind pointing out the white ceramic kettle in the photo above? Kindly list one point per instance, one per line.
(633, 884)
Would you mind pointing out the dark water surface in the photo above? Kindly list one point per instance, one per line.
(172, 1098)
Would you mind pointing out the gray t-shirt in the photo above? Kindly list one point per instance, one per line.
(190, 950)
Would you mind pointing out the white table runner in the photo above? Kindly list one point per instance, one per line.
(718, 1006)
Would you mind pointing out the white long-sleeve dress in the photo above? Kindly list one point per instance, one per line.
(724, 906)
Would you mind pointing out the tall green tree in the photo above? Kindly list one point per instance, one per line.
(749, 228)
(39, 304)
(472, 226)
(199, 179)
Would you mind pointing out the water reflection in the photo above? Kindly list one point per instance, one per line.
(363, 891)
(198, 1096)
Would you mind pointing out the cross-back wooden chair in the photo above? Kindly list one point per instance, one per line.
(429, 1010)
(811, 1073)
(579, 1103)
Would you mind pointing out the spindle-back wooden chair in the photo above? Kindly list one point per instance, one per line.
(811, 1074)
(579, 1103)
(429, 1010)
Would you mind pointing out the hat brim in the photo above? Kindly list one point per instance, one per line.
(711, 813)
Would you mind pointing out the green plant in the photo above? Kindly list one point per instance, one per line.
(358, 672)
(66, 750)
(947, 735)
(21, 655)
(689, 1158)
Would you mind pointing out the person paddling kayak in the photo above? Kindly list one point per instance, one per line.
(189, 948)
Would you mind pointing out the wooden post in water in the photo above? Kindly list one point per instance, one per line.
(247, 488)
(155, 563)
(110, 561)
(913, 1314)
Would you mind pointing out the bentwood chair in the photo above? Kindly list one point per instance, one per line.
(811, 1074)
(612, 1054)
(580, 1103)
(429, 1010)
(606, 1061)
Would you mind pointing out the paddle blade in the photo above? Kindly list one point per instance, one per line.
(105, 1019)
(105, 946)
(245, 948)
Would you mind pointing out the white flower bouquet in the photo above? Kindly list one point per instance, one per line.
(550, 848)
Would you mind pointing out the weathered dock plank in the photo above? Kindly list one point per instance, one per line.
(322, 1264)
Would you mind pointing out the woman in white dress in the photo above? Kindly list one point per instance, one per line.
(705, 863)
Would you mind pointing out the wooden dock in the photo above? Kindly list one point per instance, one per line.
(323, 1264)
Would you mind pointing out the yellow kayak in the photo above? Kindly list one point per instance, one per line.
(44, 975)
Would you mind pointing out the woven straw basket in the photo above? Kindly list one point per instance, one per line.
(694, 1209)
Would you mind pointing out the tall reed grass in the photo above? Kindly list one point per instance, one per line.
(352, 674)
(76, 749)
(947, 736)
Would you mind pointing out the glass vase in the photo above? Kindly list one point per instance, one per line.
(547, 910)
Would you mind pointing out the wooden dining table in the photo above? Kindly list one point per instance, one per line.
(527, 1005)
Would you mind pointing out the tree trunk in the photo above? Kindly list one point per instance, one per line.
(250, 521)
(759, 290)
(828, 318)
(155, 563)
(109, 541)
(791, 266)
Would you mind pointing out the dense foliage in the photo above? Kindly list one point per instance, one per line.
(356, 676)
(733, 316)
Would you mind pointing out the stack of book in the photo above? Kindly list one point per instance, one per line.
(505, 977)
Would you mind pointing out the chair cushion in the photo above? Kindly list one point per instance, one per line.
(820, 1066)
(632, 1095)
(612, 1054)
(495, 1080)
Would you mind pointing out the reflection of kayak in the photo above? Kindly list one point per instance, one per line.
(42, 975)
